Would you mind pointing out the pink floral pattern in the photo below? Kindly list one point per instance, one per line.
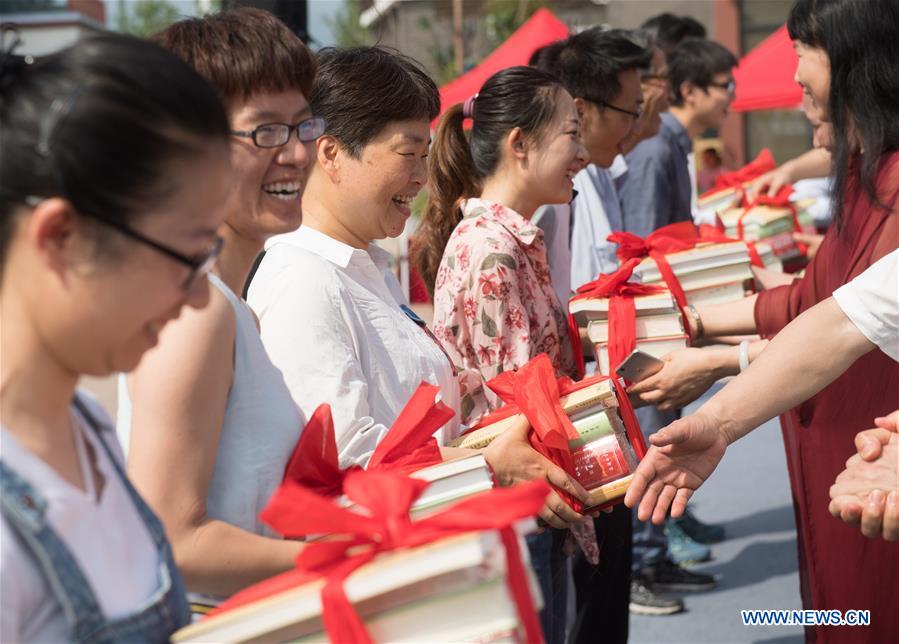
(494, 305)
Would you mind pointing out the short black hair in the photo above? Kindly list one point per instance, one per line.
(359, 90)
(588, 63)
(698, 60)
(669, 30)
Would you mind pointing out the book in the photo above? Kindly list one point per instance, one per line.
(717, 294)
(646, 326)
(704, 257)
(657, 347)
(455, 566)
(595, 396)
(588, 309)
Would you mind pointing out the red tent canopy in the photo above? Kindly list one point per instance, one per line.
(540, 29)
(765, 76)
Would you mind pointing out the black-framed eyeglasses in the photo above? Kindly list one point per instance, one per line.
(274, 135)
(634, 114)
(199, 265)
(730, 86)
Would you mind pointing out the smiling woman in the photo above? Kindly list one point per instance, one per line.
(207, 419)
(99, 250)
(331, 311)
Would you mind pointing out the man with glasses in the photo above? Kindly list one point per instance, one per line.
(657, 188)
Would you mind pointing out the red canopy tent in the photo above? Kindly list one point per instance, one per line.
(764, 76)
(540, 29)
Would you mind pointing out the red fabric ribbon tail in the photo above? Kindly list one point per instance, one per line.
(313, 462)
(754, 258)
(629, 417)
(517, 580)
(673, 284)
(341, 621)
(622, 330)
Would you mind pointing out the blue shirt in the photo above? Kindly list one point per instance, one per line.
(656, 189)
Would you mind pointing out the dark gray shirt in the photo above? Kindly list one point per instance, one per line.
(655, 191)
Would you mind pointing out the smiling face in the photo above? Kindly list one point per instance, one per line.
(711, 104)
(813, 74)
(99, 309)
(375, 190)
(604, 128)
(268, 183)
(558, 154)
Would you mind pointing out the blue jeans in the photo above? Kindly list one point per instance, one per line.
(650, 543)
(550, 565)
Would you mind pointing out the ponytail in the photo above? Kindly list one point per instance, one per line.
(452, 178)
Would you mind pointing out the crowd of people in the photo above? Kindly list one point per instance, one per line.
(197, 212)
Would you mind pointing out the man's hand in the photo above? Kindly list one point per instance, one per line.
(687, 375)
(514, 460)
(683, 455)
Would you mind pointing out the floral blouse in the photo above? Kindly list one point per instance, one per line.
(494, 304)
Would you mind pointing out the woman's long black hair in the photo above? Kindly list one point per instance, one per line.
(861, 39)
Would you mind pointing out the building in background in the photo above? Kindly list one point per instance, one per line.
(50, 25)
(423, 29)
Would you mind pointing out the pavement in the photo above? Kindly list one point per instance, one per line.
(755, 566)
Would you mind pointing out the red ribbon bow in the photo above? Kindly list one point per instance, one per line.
(387, 496)
(408, 446)
(534, 390)
(763, 163)
(622, 311)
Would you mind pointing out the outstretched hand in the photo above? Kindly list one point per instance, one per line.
(683, 455)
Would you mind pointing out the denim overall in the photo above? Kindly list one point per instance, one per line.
(163, 613)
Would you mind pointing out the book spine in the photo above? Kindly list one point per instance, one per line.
(590, 428)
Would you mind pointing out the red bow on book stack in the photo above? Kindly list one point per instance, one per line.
(763, 163)
(622, 311)
(386, 526)
(408, 446)
(534, 390)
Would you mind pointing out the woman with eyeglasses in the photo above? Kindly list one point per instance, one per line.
(207, 420)
(100, 248)
(847, 52)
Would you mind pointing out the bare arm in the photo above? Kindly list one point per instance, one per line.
(179, 393)
(733, 318)
(812, 164)
(791, 369)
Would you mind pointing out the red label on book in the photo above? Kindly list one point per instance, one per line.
(599, 462)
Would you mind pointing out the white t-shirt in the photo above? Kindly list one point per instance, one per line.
(332, 322)
(871, 301)
(107, 537)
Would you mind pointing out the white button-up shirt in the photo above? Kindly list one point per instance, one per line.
(331, 320)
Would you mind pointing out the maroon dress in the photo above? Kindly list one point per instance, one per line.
(839, 568)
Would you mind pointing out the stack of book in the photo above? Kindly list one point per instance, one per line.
(603, 452)
(659, 327)
(451, 590)
(711, 273)
(770, 224)
(450, 481)
(710, 204)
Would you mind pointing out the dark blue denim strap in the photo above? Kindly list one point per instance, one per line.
(24, 509)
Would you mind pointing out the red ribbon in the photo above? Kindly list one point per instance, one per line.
(672, 238)
(622, 311)
(708, 233)
(534, 390)
(387, 496)
(763, 163)
(780, 200)
(408, 446)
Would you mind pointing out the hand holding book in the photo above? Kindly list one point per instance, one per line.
(514, 460)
